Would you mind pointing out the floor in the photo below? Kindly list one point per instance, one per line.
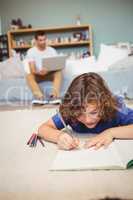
(24, 171)
(22, 106)
(18, 106)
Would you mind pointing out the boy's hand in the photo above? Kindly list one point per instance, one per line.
(66, 142)
(103, 139)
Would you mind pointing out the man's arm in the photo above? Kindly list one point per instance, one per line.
(34, 71)
(32, 68)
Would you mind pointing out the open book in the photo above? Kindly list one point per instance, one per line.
(119, 155)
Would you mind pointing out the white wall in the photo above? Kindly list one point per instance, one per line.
(112, 20)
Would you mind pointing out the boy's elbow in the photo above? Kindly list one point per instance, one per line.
(41, 131)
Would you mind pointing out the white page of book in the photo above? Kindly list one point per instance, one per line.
(84, 159)
(125, 150)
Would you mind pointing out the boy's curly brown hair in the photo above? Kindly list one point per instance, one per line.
(88, 88)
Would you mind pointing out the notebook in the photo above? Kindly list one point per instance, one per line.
(54, 63)
(119, 155)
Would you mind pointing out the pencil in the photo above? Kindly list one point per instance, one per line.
(63, 122)
(40, 140)
(31, 138)
(71, 133)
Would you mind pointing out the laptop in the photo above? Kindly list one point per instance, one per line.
(54, 63)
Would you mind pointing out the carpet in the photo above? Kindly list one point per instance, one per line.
(24, 171)
(20, 166)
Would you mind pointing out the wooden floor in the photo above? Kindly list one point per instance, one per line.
(22, 106)
(18, 106)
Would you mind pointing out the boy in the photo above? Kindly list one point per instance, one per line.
(89, 107)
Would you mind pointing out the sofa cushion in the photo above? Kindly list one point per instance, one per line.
(11, 68)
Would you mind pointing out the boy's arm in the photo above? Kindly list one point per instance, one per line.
(106, 137)
(123, 132)
(49, 132)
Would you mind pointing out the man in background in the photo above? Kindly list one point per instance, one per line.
(38, 72)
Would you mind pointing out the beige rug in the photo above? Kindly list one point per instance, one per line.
(19, 164)
(24, 171)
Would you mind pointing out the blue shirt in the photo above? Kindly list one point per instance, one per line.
(124, 116)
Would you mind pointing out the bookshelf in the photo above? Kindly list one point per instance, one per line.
(69, 38)
(3, 47)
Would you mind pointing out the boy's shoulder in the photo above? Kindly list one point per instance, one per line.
(124, 113)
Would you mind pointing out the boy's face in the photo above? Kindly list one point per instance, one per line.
(90, 117)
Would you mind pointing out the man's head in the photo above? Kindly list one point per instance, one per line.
(40, 38)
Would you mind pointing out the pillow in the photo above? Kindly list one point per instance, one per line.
(125, 63)
(11, 68)
(76, 67)
(109, 55)
(26, 66)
